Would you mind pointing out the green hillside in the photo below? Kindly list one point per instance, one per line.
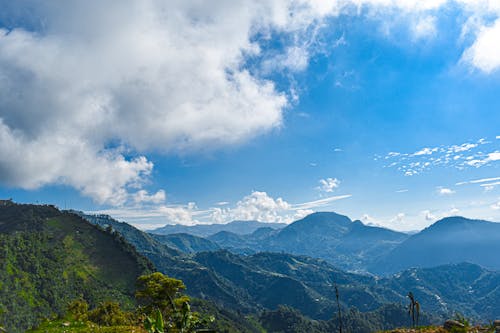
(49, 258)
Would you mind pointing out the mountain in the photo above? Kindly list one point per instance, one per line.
(250, 283)
(201, 282)
(450, 240)
(143, 242)
(457, 288)
(49, 258)
(204, 230)
(186, 243)
(330, 236)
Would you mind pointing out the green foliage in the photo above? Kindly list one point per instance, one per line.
(78, 310)
(157, 291)
(109, 314)
(155, 323)
(49, 258)
(165, 306)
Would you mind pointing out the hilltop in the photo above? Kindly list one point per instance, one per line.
(51, 257)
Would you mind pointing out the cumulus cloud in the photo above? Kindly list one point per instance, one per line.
(148, 75)
(328, 185)
(142, 196)
(485, 52)
(259, 206)
(179, 214)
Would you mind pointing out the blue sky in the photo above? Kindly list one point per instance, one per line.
(164, 112)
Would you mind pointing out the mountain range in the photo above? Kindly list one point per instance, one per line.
(53, 257)
(353, 246)
(265, 279)
(330, 236)
(205, 230)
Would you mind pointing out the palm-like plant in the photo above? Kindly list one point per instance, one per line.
(413, 309)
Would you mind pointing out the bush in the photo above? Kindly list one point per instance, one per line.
(109, 314)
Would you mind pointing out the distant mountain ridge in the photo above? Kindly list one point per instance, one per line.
(327, 235)
(450, 240)
(263, 280)
(205, 230)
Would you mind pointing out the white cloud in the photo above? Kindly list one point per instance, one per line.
(429, 216)
(258, 206)
(320, 203)
(295, 59)
(453, 212)
(483, 160)
(164, 76)
(402, 191)
(490, 186)
(485, 51)
(478, 181)
(425, 27)
(461, 156)
(399, 218)
(143, 196)
(261, 207)
(328, 185)
(425, 151)
(444, 191)
(495, 206)
(179, 214)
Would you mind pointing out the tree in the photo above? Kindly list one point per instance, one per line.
(166, 309)
(339, 310)
(413, 309)
(158, 291)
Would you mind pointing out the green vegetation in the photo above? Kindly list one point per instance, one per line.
(49, 258)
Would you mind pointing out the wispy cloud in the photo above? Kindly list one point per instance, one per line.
(487, 183)
(321, 202)
(477, 181)
(461, 156)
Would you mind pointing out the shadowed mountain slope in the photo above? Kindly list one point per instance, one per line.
(450, 240)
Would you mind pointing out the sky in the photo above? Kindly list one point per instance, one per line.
(187, 111)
